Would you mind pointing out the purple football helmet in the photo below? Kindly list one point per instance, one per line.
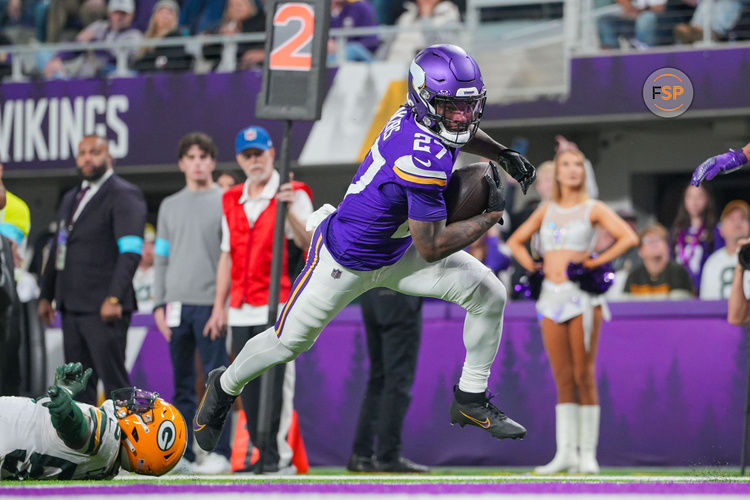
(446, 93)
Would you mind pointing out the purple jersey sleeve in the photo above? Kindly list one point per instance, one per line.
(428, 166)
(426, 205)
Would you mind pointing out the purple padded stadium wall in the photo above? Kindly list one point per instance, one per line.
(671, 379)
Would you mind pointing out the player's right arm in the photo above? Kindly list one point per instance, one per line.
(436, 240)
(432, 236)
(520, 236)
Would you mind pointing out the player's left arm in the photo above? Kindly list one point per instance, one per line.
(624, 236)
(66, 416)
(720, 164)
(512, 161)
(128, 219)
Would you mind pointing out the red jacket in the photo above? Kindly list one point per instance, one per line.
(251, 250)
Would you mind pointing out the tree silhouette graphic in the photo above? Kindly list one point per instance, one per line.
(674, 415)
(354, 388)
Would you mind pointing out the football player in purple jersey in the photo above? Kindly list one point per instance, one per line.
(720, 164)
(390, 231)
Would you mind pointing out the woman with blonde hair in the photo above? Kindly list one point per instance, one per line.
(163, 24)
(571, 309)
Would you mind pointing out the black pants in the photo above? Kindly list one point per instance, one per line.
(98, 345)
(250, 397)
(393, 323)
(10, 366)
(213, 353)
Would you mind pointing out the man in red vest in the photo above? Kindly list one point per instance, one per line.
(245, 269)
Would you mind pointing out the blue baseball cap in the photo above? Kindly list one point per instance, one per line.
(252, 137)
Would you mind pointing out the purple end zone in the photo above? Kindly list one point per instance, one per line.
(702, 488)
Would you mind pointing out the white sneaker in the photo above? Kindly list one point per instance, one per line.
(214, 463)
(183, 468)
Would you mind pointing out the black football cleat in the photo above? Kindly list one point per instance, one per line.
(487, 416)
(208, 423)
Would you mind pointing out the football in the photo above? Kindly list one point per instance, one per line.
(467, 192)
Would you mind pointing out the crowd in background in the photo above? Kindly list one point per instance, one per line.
(639, 24)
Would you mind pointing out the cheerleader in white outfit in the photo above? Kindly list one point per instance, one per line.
(571, 317)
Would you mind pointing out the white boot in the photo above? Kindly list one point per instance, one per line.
(566, 425)
(588, 435)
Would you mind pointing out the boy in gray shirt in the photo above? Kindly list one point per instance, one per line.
(188, 247)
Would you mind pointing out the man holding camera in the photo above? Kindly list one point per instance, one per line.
(739, 300)
(717, 276)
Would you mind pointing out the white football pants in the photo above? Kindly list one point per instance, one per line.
(324, 287)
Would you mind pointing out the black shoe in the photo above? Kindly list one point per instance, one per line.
(212, 412)
(487, 416)
(402, 465)
(359, 463)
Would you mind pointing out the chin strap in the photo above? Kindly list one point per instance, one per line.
(67, 418)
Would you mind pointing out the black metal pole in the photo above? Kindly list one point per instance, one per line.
(267, 380)
(743, 457)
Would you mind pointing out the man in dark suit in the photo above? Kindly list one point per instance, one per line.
(90, 270)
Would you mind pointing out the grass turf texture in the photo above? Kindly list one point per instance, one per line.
(438, 475)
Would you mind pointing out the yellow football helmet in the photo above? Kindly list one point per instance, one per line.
(154, 434)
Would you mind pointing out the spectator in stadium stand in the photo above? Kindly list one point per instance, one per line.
(187, 257)
(694, 234)
(354, 14)
(5, 57)
(59, 13)
(636, 25)
(116, 29)
(100, 221)
(428, 15)
(240, 16)
(724, 17)
(198, 16)
(675, 12)
(572, 317)
(163, 24)
(387, 11)
(17, 18)
(244, 274)
(718, 272)
(143, 280)
(658, 277)
(226, 180)
(738, 305)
